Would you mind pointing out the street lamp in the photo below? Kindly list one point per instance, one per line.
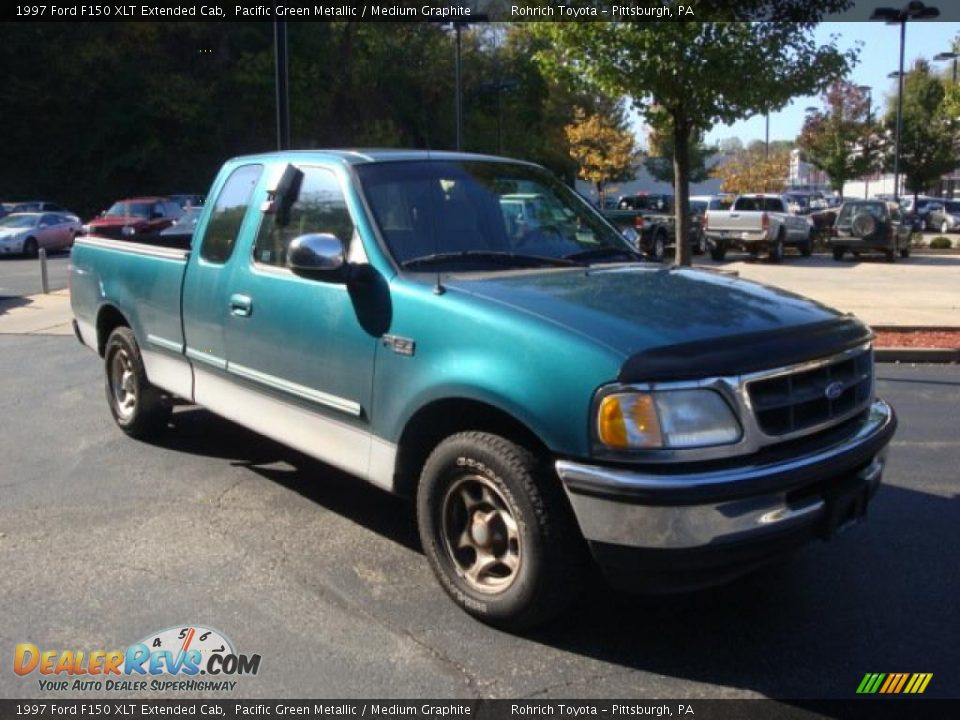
(949, 56)
(914, 10)
(866, 147)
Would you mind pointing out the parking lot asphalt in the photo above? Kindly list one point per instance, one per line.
(21, 276)
(104, 540)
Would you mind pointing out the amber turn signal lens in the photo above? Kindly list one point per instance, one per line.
(629, 421)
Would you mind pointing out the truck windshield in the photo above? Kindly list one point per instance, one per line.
(484, 215)
(129, 209)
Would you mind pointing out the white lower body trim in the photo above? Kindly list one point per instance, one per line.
(351, 449)
(88, 333)
(168, 372)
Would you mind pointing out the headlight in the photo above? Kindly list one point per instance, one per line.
(666, 419)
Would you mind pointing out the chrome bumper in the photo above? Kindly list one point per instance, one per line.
(639, 509)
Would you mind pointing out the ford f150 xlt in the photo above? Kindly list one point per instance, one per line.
(758, 222)
(542, 393)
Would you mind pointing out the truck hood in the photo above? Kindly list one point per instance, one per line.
(674, 323)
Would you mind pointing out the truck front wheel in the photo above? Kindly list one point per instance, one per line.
(718, 251)
(138, 407)
(497, 532)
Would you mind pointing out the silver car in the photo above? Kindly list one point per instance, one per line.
(26, 233)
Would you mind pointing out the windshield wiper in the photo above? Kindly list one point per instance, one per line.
(602, 252)
(498, 257)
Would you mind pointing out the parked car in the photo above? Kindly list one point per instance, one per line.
(871, 225)
(655, 233)
(27, 233)
(142, 218)
(915, 210)
(6, 208)
(38, 206)
(180, 233)
(546, 398)
(943, 216)
(757, 222)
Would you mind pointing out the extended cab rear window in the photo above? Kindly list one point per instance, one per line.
(766, 204)
(224, 224)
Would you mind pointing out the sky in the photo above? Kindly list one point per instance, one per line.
(879, 55)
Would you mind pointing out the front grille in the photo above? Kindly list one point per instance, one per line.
(798, 401)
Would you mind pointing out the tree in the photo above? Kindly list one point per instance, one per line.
(754, 170)
(928, 140)
(659, 160)
(730, 145)
(702, 73)
(837, 139)
(604, 152)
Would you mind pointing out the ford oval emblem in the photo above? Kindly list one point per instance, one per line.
(833, 390)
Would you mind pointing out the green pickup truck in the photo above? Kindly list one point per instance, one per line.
(546, 397)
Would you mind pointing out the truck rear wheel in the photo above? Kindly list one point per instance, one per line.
(659, 249)
(776, 249)
(138, 407)
(497, 531)
(838, 253)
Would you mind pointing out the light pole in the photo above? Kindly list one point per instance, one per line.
(949, 56)
(458, 27)
(866, 147)
(914, 10)
(811, 178)
(281, 82)
(499, 88)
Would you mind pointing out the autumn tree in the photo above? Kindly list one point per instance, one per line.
(603, 151)
(754, 170)
(928, 140)
(703, 73)
(838, 139)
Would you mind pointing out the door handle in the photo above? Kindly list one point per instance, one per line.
(241, 305)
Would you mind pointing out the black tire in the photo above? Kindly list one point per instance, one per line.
(806, 249)
(700, 246)
(838, 253)
(718, 252)
(30, 248)
(890, 255)
(659, 248)
(776, 249)
(904, 252)
(138, 408)
(475, 475)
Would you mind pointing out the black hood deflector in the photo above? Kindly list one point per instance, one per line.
(746, 353)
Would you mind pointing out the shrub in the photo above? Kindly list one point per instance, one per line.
(940, 243)
(916, 239)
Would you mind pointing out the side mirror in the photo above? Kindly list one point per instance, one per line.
(319, 254)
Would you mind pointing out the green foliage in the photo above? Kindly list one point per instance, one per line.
(701, 73)
(940, 243)
(98, 111)
(928, 142)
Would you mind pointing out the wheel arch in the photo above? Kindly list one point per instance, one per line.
(441, 418)
(109, 318)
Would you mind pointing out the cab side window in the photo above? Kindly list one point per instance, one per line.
(320, 208)
(224, 224)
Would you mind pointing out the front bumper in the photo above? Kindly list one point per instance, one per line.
(661, 531)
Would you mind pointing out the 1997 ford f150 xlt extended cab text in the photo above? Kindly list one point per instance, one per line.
(542, 393)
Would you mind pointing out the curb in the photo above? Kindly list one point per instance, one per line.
(917, 355)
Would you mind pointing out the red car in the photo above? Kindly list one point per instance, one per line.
(135, 219)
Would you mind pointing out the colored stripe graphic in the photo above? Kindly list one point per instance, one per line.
(894, 683)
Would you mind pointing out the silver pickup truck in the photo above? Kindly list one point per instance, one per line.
(758, 222)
